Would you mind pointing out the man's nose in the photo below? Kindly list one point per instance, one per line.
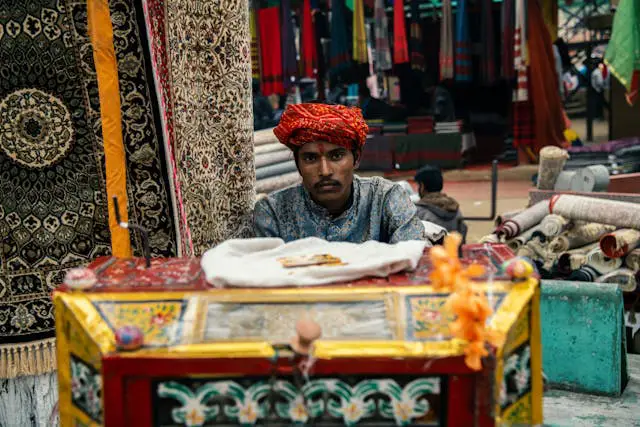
(325, 167)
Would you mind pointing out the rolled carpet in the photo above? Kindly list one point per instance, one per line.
(507, 215)
(624, 277)
(275, 170)
(264, 136)
(268, 148)
(584, 274)
(620, 242)
(275, 183)
(523, 221)
(633, 260)
(575, 258)
(272, 158)
(519, 241)
(552, 225)
(552, 160)
(601, 263)
(579, 236)
(602, 211)
(490, 238)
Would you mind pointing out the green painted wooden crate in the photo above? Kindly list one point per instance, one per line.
(583, 337)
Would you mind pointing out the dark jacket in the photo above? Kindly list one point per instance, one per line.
(442, 210)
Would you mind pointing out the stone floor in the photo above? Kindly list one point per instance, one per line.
(565, 409)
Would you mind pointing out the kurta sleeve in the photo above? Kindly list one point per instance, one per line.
(401, 217)
(265, 223)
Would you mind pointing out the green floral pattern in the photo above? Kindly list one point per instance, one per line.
(379, 398)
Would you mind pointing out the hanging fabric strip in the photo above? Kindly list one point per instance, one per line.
(623, 52)
(359, 34)
(340, 54)
(289, 53)
(415, 40)
(543, 83)
(523, 124)
(255, 45)
(270, 49)
(507, 60)
(383, 51)
(488, 43)
(101, 34)
(463, 44)
(520, 56)
(308, 45)
(550, 16)
(446, 41)
(400, 47)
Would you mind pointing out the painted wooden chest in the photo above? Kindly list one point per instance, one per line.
(222, 356)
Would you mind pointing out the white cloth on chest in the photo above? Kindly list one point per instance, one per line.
(254, 262)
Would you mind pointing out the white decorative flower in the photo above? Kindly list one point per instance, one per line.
(194, 415)
(248, 413)
(403, 411)
(522, 378)
(353, 410)
(298, 411)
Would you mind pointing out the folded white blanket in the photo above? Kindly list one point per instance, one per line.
(254, 262)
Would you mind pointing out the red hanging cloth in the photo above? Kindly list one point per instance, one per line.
(400, 45)
(308, 43)
(271, 51)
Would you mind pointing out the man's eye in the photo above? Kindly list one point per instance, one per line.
(337, 155)
(309, 157)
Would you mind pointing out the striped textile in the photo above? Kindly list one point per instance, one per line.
(415, 39)
(463, 44)
(381, 26)
(488, 42)
(520, 59)
(271, 51)
(360, 54)
(523, 124)
(255, 45)
(446, 42)
(308, 54)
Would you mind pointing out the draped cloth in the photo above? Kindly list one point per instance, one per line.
(415, 40)
(508, 38)
(360, 54)
(255, 44)
(381, 25)
(547, 105)
(446, 41)
(271, 51)
(289, 53)
(340, 53)
(488, 42)
(463, 44)
(400, 46)
(308, 54)
(520, 54)
(623, 51)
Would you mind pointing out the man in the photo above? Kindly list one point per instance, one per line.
(332, 203)
(435, 206)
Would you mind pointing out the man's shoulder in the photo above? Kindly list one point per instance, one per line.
(281, 197)
(377, 184)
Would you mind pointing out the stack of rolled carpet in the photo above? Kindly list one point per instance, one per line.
(275, 166)
(551, 176)
(619, 156)
(577, 238)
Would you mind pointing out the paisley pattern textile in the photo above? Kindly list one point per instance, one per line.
(52, 192)
(147, 178)
(381, 210)
(210, 68)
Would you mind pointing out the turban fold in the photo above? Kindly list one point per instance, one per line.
(335, 124)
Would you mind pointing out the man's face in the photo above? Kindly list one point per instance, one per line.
(327, 173)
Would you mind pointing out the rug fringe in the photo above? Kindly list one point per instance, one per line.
(32, 358)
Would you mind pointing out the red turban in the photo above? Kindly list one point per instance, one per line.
(335, 124)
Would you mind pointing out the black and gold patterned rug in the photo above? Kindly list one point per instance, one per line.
(53, 202)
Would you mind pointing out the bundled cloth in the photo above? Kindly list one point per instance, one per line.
(281, 264)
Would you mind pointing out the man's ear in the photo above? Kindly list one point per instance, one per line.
(357, 154)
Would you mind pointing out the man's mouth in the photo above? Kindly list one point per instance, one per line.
(327, 186)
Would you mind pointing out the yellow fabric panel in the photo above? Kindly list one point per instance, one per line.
(101, 33)
(550, 16)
